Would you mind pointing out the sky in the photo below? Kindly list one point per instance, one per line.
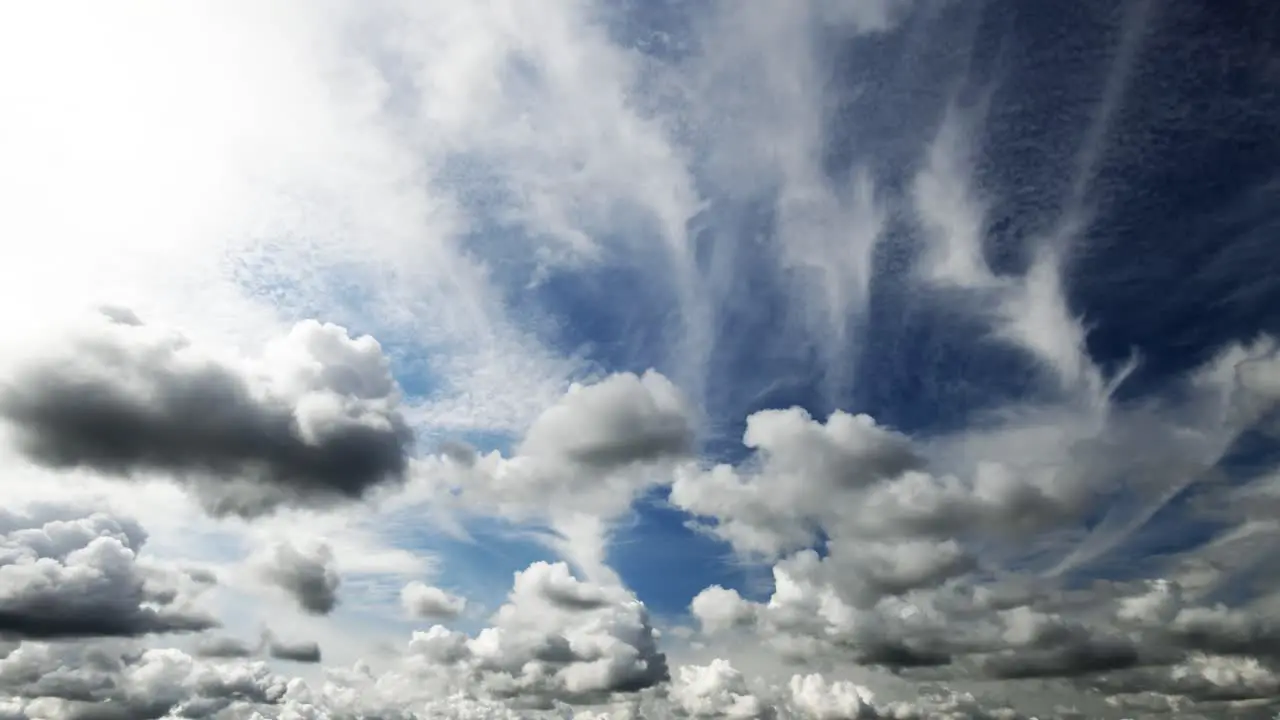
(622, 360)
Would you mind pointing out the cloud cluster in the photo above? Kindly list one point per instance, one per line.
(122, 680)
(75, 681)
(881, 559)
(68, 574)
(314, 419)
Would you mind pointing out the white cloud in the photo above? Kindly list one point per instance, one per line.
(424, 601)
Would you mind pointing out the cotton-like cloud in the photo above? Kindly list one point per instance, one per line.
(556, 638)
(307, 574)
(314, 419)
(68, 575)
(424, 601)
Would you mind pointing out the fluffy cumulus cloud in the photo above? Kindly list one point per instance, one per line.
(429, 359)
(557, 638)
(314, 419)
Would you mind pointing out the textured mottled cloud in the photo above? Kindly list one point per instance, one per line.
(314, 419)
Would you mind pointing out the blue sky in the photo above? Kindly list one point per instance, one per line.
(1173, 265)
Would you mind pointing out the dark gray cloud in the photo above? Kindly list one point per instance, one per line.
(79, 576)
(308, 575)
(1069, 659)
(314, 420)
(302, 652)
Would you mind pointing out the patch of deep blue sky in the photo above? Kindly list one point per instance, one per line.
(1178, 258)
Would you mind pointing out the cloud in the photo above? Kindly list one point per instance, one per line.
(621, 420)
(68, 575)
(807, 472)
(306, 651)
(719, 690)
(313, 420)
(424, 601)
(124, 681)
(222, 647)
(555, 639)
(307, 574)
(716, 690)
(579, 467)
(814, 696)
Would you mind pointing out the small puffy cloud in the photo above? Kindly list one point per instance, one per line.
(621, 420)
(64, 574)
(307, 574)
(718, 609)
(424, 601)
(315, 419)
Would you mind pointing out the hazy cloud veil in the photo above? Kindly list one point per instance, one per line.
(818, 360)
